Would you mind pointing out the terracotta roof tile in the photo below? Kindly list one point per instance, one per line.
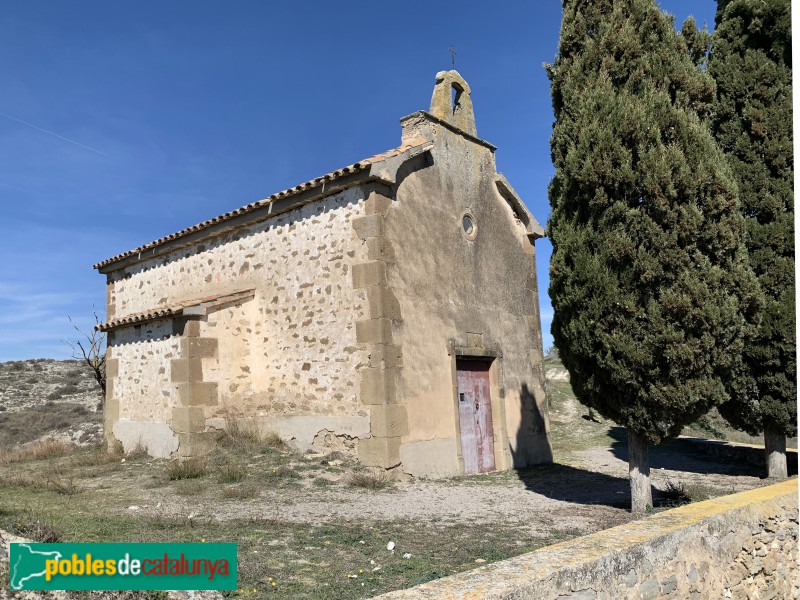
(172, 310)
(139, 318)
(332, 176)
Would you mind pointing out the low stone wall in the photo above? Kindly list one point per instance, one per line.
(747, 453)
(740, 546)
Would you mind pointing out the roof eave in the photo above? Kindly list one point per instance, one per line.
(383, 171)
(533, 229)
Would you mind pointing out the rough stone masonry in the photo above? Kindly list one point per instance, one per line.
(388, 309)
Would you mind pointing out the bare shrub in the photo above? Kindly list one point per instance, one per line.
(54, 482)
(91, 349)
(191, 468)
(37, 528)
(138, 451)
(231, 473)
(23, 481)
(37, 451)
(370, 479)
(61, 485)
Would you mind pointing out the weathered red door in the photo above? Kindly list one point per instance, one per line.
(475, 416)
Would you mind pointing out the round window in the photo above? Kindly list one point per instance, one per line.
(469, 228)
(469, 225)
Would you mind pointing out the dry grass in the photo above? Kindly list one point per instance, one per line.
(138, 451)
(96, 457)
(42, 450)
(282, 473)
(240, 492)
(55, 482)
(244, 436)
(191, 468)
(371, 479)
(274, 441)
(676, 493)
(24, 426)
(36, 527)
(231, 473)
(191, 487)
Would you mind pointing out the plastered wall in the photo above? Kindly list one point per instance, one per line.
(477, 291)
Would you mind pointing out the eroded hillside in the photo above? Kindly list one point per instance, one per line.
(48, 398)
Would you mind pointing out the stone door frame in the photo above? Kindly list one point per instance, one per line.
(475, 350)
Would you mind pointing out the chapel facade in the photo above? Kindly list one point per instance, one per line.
(388, 309)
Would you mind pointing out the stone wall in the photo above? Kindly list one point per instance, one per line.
(139, 405)
(737, 452)
(288, 356)
(743, 546)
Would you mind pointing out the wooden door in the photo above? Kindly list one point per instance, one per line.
(475, 416)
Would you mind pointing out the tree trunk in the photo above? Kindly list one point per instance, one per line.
(775, 447)
(639, 469)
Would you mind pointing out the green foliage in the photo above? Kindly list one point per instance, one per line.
(648, 277)
(751, 63)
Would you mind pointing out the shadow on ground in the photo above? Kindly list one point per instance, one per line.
(681, 455)
(580, 486)
(568, 484)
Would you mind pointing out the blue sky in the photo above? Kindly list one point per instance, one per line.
(123, 122)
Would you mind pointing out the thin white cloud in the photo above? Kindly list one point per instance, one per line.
(54, 134)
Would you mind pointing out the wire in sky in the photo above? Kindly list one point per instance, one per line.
(61, 137)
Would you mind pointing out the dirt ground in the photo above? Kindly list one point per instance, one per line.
(309, 523)
(589, 493)
(585, 490)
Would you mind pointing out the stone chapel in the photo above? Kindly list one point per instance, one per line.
(388, 309)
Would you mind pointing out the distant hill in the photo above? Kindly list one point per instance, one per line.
(565, 410)
(48, 398)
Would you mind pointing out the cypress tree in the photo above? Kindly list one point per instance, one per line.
(752, 64)
(648, 277)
